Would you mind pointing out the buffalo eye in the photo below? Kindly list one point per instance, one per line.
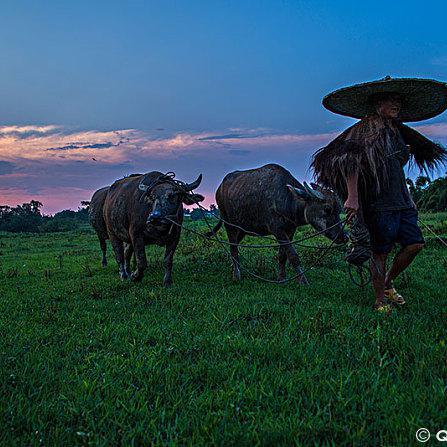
(327, 209)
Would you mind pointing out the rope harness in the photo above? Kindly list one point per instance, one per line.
(225, 245)
(169, 177)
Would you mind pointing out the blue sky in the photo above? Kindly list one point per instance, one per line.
(204, 68)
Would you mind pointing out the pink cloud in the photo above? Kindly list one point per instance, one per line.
(60, 166)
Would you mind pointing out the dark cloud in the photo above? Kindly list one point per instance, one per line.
(84, 146)
(99, 145)
(239, 152)
(6, 167)
(232, 136)
(24, 135)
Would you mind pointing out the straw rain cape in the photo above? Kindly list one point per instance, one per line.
(363, 148)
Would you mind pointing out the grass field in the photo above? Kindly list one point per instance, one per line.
(88, 360)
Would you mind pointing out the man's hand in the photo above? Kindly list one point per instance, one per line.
(351, 207)
(352, 202)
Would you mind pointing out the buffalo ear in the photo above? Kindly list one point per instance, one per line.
(191, 199)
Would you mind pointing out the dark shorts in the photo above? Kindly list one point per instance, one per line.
(390, 227)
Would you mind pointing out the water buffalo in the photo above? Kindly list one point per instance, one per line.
(139, 210)
(96, 219)
(270, 201)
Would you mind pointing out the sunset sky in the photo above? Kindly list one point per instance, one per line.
(91, 91)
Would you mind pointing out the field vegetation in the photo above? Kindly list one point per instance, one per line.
(86, 359)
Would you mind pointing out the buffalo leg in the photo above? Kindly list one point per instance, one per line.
(119, 255)
(282, 258)
(235, 236)
(128, 252)
(169, 258)
(140, 254)
(102, 243)
(293, 257)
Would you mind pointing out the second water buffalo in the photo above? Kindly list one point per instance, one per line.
(96, 219)
(147, 209)
(270, 201)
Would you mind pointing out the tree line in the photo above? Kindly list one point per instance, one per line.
(429, 196)
(28, 218)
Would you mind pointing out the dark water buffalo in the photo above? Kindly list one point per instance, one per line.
(97, 219)
(138, 210)
(270, 201)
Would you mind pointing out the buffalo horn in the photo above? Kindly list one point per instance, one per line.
(193, 185)
(301, 192)
(312, 192)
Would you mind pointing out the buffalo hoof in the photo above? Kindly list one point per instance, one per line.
(124, 276)
(281, 279)
(167, 283)
(104, 263)
(136, 277)
(236, 274)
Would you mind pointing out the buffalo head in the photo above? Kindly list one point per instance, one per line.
(321, 210)
(166, 199)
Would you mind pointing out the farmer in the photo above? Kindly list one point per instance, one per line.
(364, 164)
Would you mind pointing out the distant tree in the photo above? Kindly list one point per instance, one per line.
(434, 196)
(51, 224)
(429, 195)
(196, 214)
(65, 214)
(22, 218)
(214, 211)
(82, 213)
(28, 218)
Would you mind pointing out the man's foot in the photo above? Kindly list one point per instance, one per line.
(394, 297)
(382, 307)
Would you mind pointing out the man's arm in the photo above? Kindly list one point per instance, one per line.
(352, 202)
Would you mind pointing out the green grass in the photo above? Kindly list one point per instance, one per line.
(88, 360)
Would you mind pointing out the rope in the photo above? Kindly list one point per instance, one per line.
(249, 272)
(432, 232)
(276, 244)
(170, 177)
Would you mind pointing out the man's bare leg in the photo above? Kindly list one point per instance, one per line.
(378, 268)
(400, 262)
